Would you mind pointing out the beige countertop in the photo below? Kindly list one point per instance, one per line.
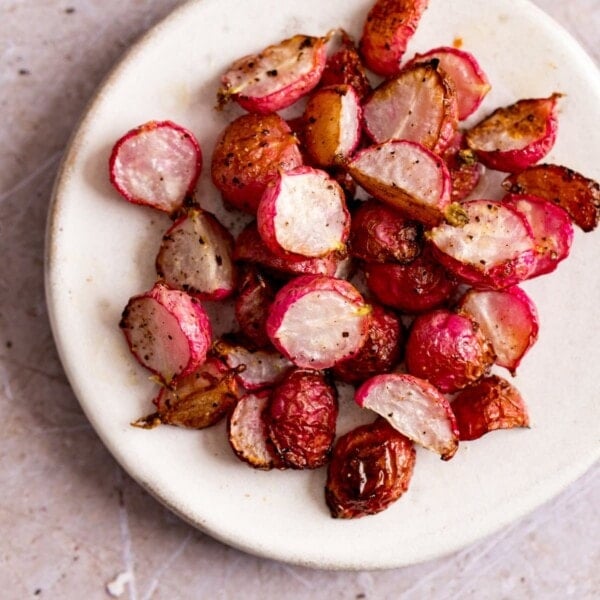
(72, 523)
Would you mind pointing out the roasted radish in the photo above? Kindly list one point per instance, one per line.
(448, 349)
(276, 77)
(464, 168)
(317, 321)
(156, 164)
(168, 332)
(370, 468)
(516, 136)
(415, 408)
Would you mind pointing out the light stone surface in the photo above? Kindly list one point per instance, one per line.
(72, 524)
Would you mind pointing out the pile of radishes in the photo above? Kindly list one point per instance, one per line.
(411, 295)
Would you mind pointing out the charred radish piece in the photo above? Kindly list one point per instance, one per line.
(303, 212)
(409, 177)
(574, 192)
(418, 105)
(389, 26)
(462, 69)
(448, 349)
(195, 256)
(301, 419)
(491, 404)
(317, 321)
(276, 77)
(465, 171)
(249, 153)
(516, 136)
(415, 408)
(508, 319)
(495, 249)
(156, 164)
(370, 468)
(168, 332)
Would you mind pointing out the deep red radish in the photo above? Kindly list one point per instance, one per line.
(156, 164)
(195, 256)
(168, 332)
(408, 177)
(415, 408)
(303, 212)
(470, 82)
(419, 105)
(492, 404)
(370, 468)
(449, 350)
(277, 76)
(495, 249)
(552, 229)
(508, 319)
(388, 27)
(577, 194)
(248, 155)
(414, 287)
(514, 137)
(301, 419)
(316, 321)
(465, 171)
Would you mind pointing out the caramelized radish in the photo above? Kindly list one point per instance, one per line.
(465, 171)
(156, 164)
(415, 408)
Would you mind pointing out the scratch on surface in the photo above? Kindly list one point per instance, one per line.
(49, 162)
(303, 580)
(128, 560)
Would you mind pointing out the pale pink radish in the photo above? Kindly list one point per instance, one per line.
(516, 136)
(317, 321)
(470, 82)
(168, 332)
(415, 408)
(277, 76)
(303, 212)
(195, 256)
(508, 319)
(495, 249)
(418, 105)
(156, 164)
(408, 177)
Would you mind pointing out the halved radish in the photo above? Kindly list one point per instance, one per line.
(418, 105)
(389, 26)
(156, 164)
(464, 168)
(577, 194)
(168, 332)
(303, 212)
(415, 408)
(495, 249)
(408, 177)
(552, 230)
(317, 321)
(492, 404)
(195, 256)
(449, 350)
(277, 76)
(516, 136)
(470, 82)
(508, 319)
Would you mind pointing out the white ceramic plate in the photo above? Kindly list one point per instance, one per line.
(101, 251)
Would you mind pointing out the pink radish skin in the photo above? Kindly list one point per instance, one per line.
(276, 77)
(470, 82)
(552, 229)
(494, 250)
(156, 164)
(448, 349)
(415, 408)
(195, 256)
(407, 176)
(317, 321)
(508, 319)
(303, 213)
(168, 332)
